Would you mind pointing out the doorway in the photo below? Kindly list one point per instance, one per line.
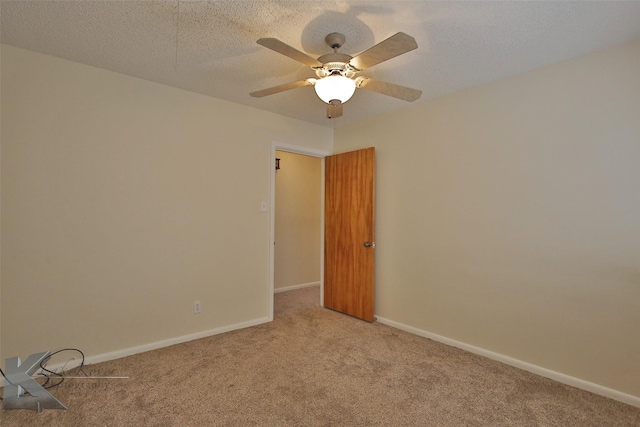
(297, 222)
(286, 279)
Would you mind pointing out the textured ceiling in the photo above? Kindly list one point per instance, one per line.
(210, 46)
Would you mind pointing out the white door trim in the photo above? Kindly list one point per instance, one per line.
(297, 149)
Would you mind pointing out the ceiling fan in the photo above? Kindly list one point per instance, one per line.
(337, 71)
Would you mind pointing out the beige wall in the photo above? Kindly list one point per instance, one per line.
(508, 216)
(297, 220)
(123, 201)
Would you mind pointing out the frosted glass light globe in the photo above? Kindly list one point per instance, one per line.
(336, 87)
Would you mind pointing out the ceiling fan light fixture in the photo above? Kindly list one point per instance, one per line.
(337, 72)
(335, 87)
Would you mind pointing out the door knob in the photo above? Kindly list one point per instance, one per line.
(369, 244)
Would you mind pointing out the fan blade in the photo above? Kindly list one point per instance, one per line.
(390, 89)
(334, 111)
(286, 50)
(282, 88)
(390, 48)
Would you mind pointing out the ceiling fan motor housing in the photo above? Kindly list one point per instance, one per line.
(335, 63)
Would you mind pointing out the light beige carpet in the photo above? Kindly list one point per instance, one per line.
(316, 367)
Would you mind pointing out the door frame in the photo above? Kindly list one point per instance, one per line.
(305, 151)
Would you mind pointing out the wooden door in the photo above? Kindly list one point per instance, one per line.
(349, 241)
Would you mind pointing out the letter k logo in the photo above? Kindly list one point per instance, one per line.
(18, 379)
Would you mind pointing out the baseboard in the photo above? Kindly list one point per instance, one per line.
(544, 372)
(291, 288)
(104, 357)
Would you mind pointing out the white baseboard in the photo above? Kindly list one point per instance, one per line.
(544, 372)
(104, 357)
(291, 288)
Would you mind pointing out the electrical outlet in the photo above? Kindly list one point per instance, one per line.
(196, 307)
